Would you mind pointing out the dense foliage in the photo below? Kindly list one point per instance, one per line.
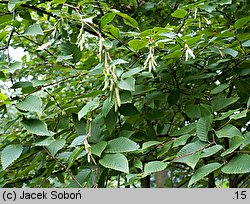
(117, 93)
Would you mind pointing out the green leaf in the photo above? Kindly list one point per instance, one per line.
(128, 109)
(107, 18)
(58, 1)
(80, 126)
(74, 155)
(181, 140)
(175, 54)
(155, 96)
(90, 106)
(33, 30)
(78, 141)
(240, 115)
(126, 133)
(117, 162)
(154, 166)
(9, 154)
(210, 151)
(246, 43)
(223, 2)
(229, 131)
(243, 36)
(3, 97)
(219, 88)
(137, 44)
(154, 114)
(234, 143)
(127, 84)
(203, 172)
(44, 142)
(202, 128)
(118, 61)
(13, 67)
(241, 22)
(23, 84)
(82, 177)
(107, 106)
(121, 144)
(246, 140)
(164, 150)
(110, 120)
(70, 49)
(36, 126)
(55, 146)
(31, 103)
(179, 13)
(191, 160)
(222, 102)
(128, 20)
(230, 51)
(138, 164)
(15, 3)
(173, 97)
(108, 44)
(140, 89)
(131, 72)
(205, 111)
(148, 144)
(191, 148)
(238, 165)
(125, 96)
(114, 31)
(185, 130)
(200, 76)
(64, 156)
(193, 40)
(98, 148)
(227, 114)
(5, 18)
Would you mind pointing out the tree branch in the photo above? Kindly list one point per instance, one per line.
(65, 167)
(182, 156)
(39, 10)
(46, 13)
(226, 15)
(62, 80)
(99, 7)
(36, 43)
(183, 23)
(2, 14)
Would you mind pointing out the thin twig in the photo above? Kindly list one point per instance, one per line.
(36, 43)
(80, 15)
(8, 42)
(182, 156)
(44, 12)
(126, 46)
(99, 7)
(39, 88)
(183, 23)
(242, 151)
(226, 15)
(58, 106)
(64, 166)
(3, 48)
(39, 10)
(62, 80)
